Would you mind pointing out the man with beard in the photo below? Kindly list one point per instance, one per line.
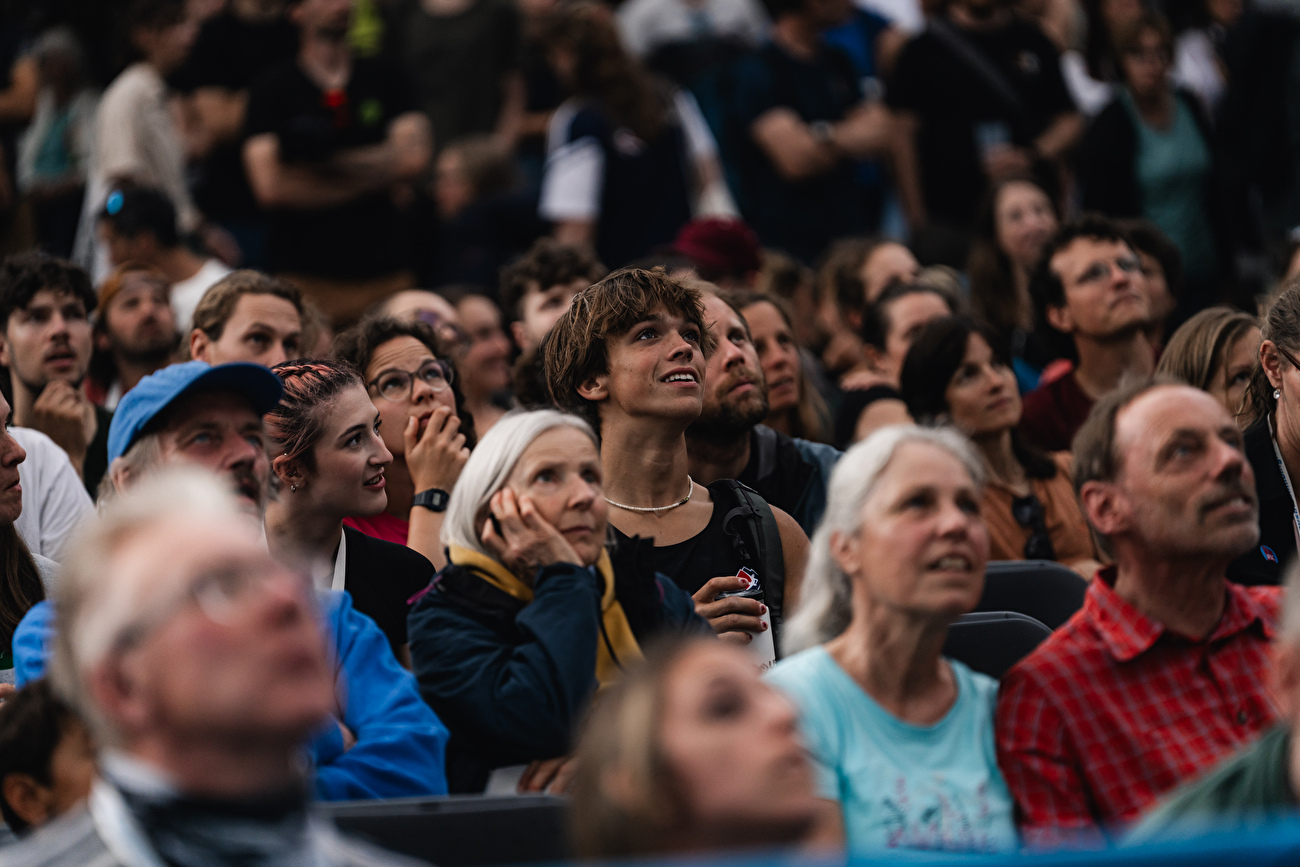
(1164, 672)
(45, 307)
(384, 741)
(727, 442)
(134, 334)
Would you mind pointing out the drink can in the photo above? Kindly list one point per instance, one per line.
(762, 646)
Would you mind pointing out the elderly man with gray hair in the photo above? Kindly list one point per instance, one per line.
(1163, 673)
(180, 626)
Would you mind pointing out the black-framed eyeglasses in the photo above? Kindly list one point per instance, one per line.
(396, 384)
(1028, 512)
(1288, 356)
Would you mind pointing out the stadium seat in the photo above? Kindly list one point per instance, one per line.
(990, 642)
(461, 831)
(1046, 591)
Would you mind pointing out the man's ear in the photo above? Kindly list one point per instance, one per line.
(102, 342)
(1060, 318)
(116, 692)
(519, 335)
(199, 343)
(1271, 361)
(1106, 507)
(4, 351)
(29, 799)
(595, 388)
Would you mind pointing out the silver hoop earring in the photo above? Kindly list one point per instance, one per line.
(293, 489)
(1277, 394)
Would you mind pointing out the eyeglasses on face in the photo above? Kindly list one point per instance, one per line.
(396, 384)
(1099, 271)
(218, 592)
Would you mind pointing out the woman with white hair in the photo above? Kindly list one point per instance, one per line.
(529, 618)
(901, 737)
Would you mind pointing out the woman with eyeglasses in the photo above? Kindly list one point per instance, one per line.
(956, 374)
(331, 462)
(1271, 417)
(412, 381)
(1150, 154)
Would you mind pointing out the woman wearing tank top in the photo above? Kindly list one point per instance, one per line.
(630, 356)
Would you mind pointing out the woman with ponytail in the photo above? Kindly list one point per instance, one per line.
(330, 461)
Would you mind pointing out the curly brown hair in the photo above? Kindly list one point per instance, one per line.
(359, 343)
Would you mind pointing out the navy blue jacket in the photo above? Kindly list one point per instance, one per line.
(510, 680)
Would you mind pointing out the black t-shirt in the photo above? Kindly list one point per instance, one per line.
(692, 563)
(92, 472)
(363, 238)
(957, 106)
(456, 63)
(231, 54)
(800, 217)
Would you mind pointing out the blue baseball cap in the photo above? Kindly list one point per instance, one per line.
(157, 391)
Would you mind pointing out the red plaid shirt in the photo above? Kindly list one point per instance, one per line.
(1113, 711)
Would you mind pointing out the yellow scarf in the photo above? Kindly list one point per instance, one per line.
(617, 628)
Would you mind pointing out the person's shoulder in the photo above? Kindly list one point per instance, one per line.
(69, 841)
(981, 687)
(1062, 659)
(800, 672)
(276, 77)
(36, 443)
(1030, 34)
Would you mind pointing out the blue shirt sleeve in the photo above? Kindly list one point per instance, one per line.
(32, 642)
(401, 744)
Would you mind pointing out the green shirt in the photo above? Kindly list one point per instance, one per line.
(1253, 788)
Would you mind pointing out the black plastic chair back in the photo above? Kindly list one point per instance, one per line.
(990, 642)
(1046, 591)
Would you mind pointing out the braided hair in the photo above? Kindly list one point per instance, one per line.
(298, 421)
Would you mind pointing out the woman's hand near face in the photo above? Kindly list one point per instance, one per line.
(526, 540)
(733, 618)
(436, 457)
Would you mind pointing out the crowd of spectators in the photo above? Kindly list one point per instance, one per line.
(629, 402)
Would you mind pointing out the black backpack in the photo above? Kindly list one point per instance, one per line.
(750, 525)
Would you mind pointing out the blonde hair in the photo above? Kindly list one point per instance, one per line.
(826, 601)
(94, 604)
(625, 798)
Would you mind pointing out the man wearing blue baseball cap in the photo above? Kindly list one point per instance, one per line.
(196, 413)
(385, 741)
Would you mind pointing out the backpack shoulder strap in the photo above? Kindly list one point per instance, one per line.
(749, 523)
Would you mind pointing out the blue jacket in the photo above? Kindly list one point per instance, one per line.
(512, 680)
(401, 743)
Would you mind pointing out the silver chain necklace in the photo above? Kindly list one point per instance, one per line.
(683, 501)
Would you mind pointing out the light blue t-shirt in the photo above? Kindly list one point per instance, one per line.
(902, 786)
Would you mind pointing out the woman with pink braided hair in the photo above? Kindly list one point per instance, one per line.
(330, 461)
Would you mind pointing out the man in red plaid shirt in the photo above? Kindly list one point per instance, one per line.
(1164, 670)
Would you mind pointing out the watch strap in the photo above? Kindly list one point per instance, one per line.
(434, 499)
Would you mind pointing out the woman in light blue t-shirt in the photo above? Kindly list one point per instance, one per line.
(901, 738)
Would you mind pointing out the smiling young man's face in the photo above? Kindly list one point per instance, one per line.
(656, 369)
(48, 340)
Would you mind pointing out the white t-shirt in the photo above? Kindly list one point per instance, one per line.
(135, 137)
(186, 294)
(54, 499)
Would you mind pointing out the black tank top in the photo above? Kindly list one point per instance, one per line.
(691, 563)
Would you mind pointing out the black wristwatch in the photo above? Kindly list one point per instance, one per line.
(434, 500)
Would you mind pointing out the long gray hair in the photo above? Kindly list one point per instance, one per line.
(826, 603)
(490, 464)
